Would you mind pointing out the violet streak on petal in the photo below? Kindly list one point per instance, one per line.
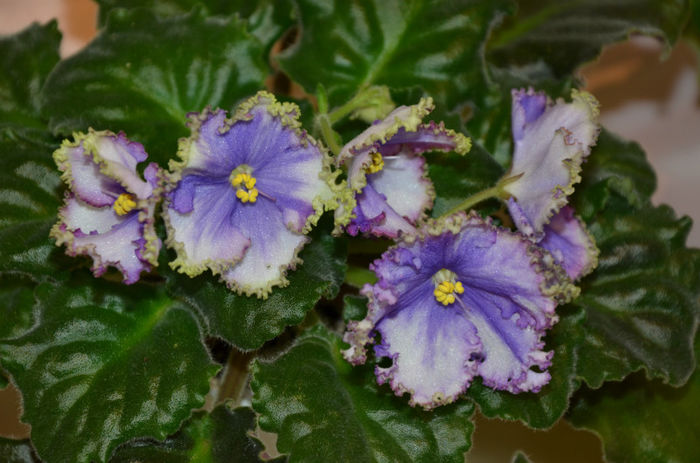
(501, 294)
(245, 193)
(566, 237)
(386, 158)
(109, 211)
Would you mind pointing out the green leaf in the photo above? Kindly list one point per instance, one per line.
(458, 177)
(347, 45)
(354, 307)
(30, 187)
(566, 34)
(520, 457)
(641, 421)
(248, 322)
(105, 364)
(144, 73)
(26, 59)
(219, 437)
(323, 409)
(164, 8)
(543, 409)
(15, 295)
(17, 451)
(641, 303)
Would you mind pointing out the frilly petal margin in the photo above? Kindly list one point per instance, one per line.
(99, 167)
(400, 139)
(551, 140)
(494, 329)
(250, 245)
(572, 246)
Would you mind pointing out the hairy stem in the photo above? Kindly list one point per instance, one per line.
(329, 135)
(235, 376)
(496, 191)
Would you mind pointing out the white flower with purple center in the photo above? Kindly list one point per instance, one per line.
(551, 141)
(109, 210)
(389, 187)
(245, 194)
(461, 299)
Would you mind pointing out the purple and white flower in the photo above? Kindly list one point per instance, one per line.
(551, 141)
(389, 187)
(462, 298)
(108, 212)
(245, 194)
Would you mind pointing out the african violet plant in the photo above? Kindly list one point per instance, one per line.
(350, 223)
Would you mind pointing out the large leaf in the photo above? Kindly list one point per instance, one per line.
(543, 409)
(248, 322)
(165, 8)
(144, 73)
(641, 421)
(350, 44)
(17, 451)
(30, 186)
(217, 437)
(323, 410)
(105, 364)
(25, 60)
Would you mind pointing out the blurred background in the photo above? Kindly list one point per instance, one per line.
(646, 95)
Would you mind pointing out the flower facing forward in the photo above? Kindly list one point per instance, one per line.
(245, 194)
(108, 210)
(460, 299)
(551, 141)
(389, 187)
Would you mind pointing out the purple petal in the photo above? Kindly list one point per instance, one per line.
(572, 247)
(374, 215)
(550, 145)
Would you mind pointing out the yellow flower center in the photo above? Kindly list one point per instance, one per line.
(124, 204)
(376, 163)
(446, 286)
(245, 186)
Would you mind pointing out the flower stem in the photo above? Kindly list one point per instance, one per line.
(496, 191)
(329, 135)
(235, 376)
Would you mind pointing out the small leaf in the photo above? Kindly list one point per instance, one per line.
(17, 451)
(104, 364)
(144, 73)
(355, 307)
(323, 409)
(641, 421)
(543, 409)
(520, 457)
(349, 45)
(248, 322)
(219, 437)
(26, 59)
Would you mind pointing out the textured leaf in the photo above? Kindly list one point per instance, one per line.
(105, 364)
(354, 307)
(143, 74)
(165, 8)
(248, 322)
(25, 60)
(543, 409)
(30, 187)
(438, 46)
(325, 410)
(17, 451)
(641, 421)
(641, 303)
(219, 437)
(16, 294)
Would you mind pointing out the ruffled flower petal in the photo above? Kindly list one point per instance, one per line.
(213, 222)
(493, 328)
(551, 141)
(109, 212)
(387, 156)
(568, 240)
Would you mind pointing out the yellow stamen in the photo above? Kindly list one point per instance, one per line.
(124, 204)
(245, 186)
(446, 287)
(376, 164)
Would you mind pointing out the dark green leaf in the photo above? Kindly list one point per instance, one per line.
(355, 307)
(165, 8)
(17, 451)
(104, 364)
(641, 421)
(16, 294)
(543, 409)
(248, 322)
(347, 45)
(641, 303)
(324, 410)
(520, 457)
(219, 437)
(566, 34)
(143, 74)
(458, 177)
(26, 59)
